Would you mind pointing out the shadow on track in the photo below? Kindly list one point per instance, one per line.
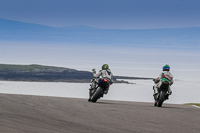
(102, 103)
(169, 107)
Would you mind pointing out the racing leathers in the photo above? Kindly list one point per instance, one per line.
(102, 74)
(164, 76)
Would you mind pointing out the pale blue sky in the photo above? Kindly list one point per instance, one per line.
(115, 14)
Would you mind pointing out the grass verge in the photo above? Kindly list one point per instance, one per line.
(197, 104)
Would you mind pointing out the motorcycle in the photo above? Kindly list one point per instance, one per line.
(98, 92)
(162, 93)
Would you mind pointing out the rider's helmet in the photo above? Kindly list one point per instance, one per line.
(105, 66)
(166, 67)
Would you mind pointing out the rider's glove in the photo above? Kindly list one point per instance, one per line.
(94, 71)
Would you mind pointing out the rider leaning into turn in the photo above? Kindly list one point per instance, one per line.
(165, 75)
(104, 73)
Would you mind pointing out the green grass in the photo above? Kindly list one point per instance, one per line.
(197, 104)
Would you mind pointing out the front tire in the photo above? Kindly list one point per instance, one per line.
(97, 94)
(161, 99)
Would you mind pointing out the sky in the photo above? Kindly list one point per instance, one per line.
(106, 14)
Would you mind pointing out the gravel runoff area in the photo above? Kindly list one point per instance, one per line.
(40, 114)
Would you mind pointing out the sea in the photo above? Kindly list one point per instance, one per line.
(138, 91)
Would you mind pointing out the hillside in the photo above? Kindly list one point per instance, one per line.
(42, 73)
(49, 74)
(19, 31)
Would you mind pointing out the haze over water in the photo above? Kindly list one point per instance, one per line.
(123, 61)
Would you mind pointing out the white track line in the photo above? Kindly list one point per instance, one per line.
(196, 106)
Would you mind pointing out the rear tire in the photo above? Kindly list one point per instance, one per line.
(161, 99)
(97, 94)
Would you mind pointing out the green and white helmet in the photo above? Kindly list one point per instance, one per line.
(105, 66)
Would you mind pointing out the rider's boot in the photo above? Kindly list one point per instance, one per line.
(167, 96)
(90, 94)
(105, 92)
(155, 95)
(89, 100)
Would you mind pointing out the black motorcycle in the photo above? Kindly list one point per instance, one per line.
(98, 92)
(162, 94)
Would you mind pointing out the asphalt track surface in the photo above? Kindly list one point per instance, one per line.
(38, 114)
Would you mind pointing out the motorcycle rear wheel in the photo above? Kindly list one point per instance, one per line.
(97, 94)
(161, 99)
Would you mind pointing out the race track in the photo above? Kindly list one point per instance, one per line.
(38, 114)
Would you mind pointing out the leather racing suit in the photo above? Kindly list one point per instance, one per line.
(164, 75)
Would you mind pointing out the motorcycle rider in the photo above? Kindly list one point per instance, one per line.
(165, 74)
(105, 72)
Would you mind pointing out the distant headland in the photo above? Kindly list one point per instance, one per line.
(41, 73)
